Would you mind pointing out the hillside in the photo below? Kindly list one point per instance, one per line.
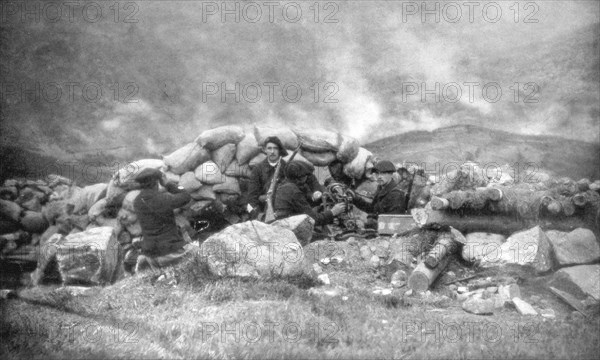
(561, 157)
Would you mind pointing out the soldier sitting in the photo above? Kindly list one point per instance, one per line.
(291, 200)
(388, 199)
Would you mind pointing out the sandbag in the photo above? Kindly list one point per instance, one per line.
(129, 172)
(348, 149)
(208, 173)
(247, 149)
(356, 168)
(189, 182)
(230, 186)
(320, 158)
(97, 209)
(8, 226)
(172, 177)
(113, 190)
(10, 210)
(223, 156)
(204, 193)
(287, 136)
(129, 200)
(257, 159)
(237, 170)
(186, 158)
(215, 138)
(83, 199)
(34, 222)
(298, 157)
(319, 140)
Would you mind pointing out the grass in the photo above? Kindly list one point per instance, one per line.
(207, 317)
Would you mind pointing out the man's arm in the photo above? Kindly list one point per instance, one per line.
(301, 205)
(175, 198)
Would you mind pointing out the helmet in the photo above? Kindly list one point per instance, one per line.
(384, 166)
(295, 170)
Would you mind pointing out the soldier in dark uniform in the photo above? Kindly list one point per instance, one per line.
(162, 244)
(291, 200)
(389, 197)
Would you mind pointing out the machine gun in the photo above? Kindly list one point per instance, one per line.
(339, 193)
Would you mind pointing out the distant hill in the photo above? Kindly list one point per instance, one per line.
(558, 156)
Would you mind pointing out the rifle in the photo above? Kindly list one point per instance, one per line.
(270, 212)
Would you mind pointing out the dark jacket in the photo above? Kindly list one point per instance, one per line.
(290, 201)
(155, 214)
(389, 199)
(260, 181)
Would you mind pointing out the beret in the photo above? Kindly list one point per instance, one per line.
(384, 166)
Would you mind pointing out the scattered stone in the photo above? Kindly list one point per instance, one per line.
(382, 291)
(574, 248)
(492, 289)
(452, 287)
(509, 291)
(399, 279)
(523, 307)
(408, 293)
(374, 261)
(534, 299)
(462, 289)
(324, 278)
(301, 225)
(365, 252)
(580, 281)
(499, 301)
(326, 291)
(253, 249)
(548, 313)
(479, 244)
(325, 261)
(479, 306)
(317, 269)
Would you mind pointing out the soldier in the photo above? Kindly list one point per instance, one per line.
(291, 200)
(162, 244)
(263, 172)
(388, 199)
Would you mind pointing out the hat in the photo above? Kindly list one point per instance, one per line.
(275, 140)
(295, 170)
(148, 175)
(384, 166)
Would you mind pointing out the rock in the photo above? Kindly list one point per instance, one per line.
(580, 281)
(374, 261)
(574, 248)
(530, 249)
(365, 252)
(399, 278)
(478, 245)
(382, 291)
(34, 222)
(479, 306)
(534, 299)
(326, 291)
(492, 289)
(509, 291)
(523, 307)
(253, 249)
(462, 289)
(452, 287)
(301, 225)
(324, 278)
(548, 313)
(10, 210)
(317, 269)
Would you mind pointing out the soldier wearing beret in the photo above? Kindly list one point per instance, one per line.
(162, 244)
(389, 197)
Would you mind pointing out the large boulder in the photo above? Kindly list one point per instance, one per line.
(528, 249)
(301, 225)
(574, 248)
(253, 249)
(479, 244)
(89, 257)
(580, 281)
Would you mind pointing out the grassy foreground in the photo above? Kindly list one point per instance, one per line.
(191, 314)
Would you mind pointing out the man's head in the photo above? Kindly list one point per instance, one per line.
(384, 171)
(296, 172)
(148, 178)
(274, 148)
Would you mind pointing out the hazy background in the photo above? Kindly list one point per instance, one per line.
(373, 50)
